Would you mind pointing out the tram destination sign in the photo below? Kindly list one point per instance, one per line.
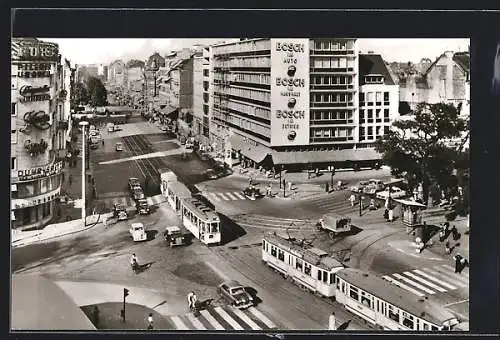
(38, 172)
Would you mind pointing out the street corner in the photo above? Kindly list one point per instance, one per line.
(410, 248)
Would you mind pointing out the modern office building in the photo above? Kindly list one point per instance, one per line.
(294, 103)
(40, 117)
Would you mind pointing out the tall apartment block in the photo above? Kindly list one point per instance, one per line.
(295, 102)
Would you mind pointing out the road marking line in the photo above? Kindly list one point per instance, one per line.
(259, 315)
(239, 195)
(451, 274)
(430, 284)
(456, 303)
(214, 196)
(430, 277)
(246, 319)
(211, 320)
(444, 277)
(453, 269)
(413, 283)
(195, 321)
(231, 196)
(179, 324)
(218, 271)
(397, 283)
(223, 196)
(228, 318)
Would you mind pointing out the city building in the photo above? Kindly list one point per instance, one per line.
(40, 93)
(117, 75)
(293, 103)
(135, 74)
(201, 96)
(446, 80)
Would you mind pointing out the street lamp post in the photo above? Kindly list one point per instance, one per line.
(83, 124)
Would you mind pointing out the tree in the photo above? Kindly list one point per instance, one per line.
(417, 150)
(79, 95)
(97, 92)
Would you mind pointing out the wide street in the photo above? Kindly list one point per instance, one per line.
(99, 257)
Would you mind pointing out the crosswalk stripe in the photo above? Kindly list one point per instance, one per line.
(397, 283)
(430, 284)
(451, 274)
(195, 321)
(258, 314)
(444, 277)
(239, 195)
(231, 196)
(246, 319)
(214, 196)
(179, 324)
(228, 318)
(451, 268)
(212, 320)
(430, 277)
(223, 196)
(413, 283)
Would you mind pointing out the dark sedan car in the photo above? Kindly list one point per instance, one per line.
(235, 294)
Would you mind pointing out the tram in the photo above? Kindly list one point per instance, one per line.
(201, 221)
(370, 297)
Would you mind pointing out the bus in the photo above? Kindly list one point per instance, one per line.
(201, 221)
(379, 302)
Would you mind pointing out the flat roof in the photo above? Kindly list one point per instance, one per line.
(397, 296)
(199, 207)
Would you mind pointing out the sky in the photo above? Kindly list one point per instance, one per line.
(104, 51)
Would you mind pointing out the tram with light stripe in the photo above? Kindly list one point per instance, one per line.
(201, 221)
(370, 297)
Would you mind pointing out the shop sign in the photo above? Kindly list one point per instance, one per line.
(30, 93)
(34, 201)
(289, 92)
(34, 50)
(38, 172)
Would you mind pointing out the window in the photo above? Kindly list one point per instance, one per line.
(369, 98)
(353, 293)
(281, 255)
(386, 113)
(370, 116)
(343, 287)
(386, 130)
(13, 136)
(386, 98)
(273, 251)
(338, 283)
(426, 326)
(13, 163)
(307, 269)
(263, 245)
(332, 278)
(434, 328)
(408, 321)
(319, 274)
(361, 115)
(393, 313)
(13, 109)
(298, 264)
(366, 299)
(370, 132)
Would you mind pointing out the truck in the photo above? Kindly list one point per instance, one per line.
(334, 224)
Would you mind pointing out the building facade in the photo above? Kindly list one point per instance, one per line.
(40, 93)
(198, 95)
(288, 102)
(117, 75)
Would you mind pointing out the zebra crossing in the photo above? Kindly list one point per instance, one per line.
(223, 318)
(225, 196)
(128, 201)
(430, 280)
(270, 222)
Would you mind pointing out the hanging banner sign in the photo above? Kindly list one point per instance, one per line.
(38, 172)
(289, 92)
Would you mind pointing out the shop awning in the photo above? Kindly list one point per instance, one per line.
(301, 157)
(256, 153)
(409, 203)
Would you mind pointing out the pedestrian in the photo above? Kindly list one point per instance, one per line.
(386, 214)
(290, 186)
(447, 248)
(441, 234)
(327, 187)
(458, 263)
(352, 198)
(391, 214)
(317, 172)
(332, 322)
(150, 321)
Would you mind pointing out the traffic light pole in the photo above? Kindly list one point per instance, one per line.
(125, 293)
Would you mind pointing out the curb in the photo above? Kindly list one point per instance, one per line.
(19, 243)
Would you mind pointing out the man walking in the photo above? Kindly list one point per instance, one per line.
(352, 199)
(331, 322)
(150, 321)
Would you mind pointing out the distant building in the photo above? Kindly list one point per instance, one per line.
(117, 75)
(201, 96)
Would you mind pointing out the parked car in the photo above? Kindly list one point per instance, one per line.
(359, 187)
(133, 183)
(113, 127)
(137, 193)
(142, 206)
(173, 236)
(252, 193)
(119, 146)
(120, 212)
(374, 186)
(235, 294)
(395, 193)
(137, 232)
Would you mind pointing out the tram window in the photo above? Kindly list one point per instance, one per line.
(325, 277)
(215, 226)
(281, 255)
(307, 269)
(319, 274)
(338, 283)
(378, 306)
(343, 287)
(426, 326)
(263, 245)
(365, 299)
(298, 264)
(393, 314)
(267, 247)
(332, 278)
(408, 323)
(273, 251)
(353, 293)
(434, 328)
